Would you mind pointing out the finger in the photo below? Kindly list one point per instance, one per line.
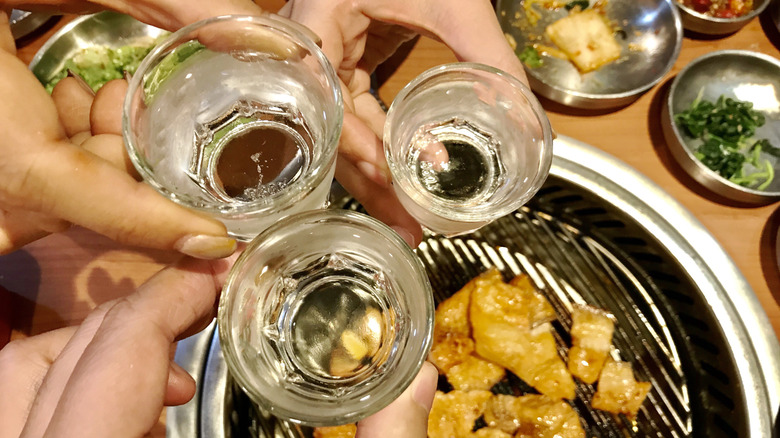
(111, 148)
(380, 201)
(180, 387)
(106, 114)
(125, 368)
(384, 39)
(79, 138)
(370, 112)
(173, 15)
(7, 42)
(360, 146)
(65, 181)
(471, 30)
(18, 228)
(407, 416)
(73, 104)
(52, 387)
(23, 366)
(237, 36)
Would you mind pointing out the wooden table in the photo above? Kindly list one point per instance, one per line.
(57, 280)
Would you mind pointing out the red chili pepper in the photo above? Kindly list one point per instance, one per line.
(701, 6)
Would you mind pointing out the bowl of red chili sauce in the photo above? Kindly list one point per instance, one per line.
(719, 17)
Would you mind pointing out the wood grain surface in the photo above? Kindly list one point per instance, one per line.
(55, 281)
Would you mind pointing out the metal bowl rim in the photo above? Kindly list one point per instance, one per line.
(58, 35)
(678, 26)
(712, 175)
(717, 20)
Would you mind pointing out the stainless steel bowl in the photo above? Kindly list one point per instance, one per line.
(650, 35)
(24, 23)
(744, 75)
(108, 29)
(708, 25)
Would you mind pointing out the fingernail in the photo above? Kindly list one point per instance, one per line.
(205, 247)
(425, 386)
(373, 173)
(407, 236)
(82, 83)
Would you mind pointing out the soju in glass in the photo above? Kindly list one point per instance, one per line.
(466, 144)
(326, 317)
(237, 117)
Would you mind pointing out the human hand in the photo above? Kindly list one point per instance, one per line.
(63, 161)
(406, 416)
(357, 36)
(166, 14)
(112, 375)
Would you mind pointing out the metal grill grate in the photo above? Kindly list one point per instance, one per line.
(577, 251)
(569, 267)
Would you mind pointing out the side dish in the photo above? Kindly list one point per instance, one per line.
(719, 8)
(725, 134)
(100, 64)
(585, 38)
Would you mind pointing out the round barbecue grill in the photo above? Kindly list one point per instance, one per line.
(599, 233)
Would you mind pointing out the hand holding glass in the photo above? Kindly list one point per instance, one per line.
(326, 317)
(466, 144)
(237, 117)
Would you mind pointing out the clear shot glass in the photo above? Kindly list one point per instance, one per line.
(326, 317)
(466, 144)
(237, 117)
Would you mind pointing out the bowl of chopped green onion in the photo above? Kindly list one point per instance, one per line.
(97, 47)
(721, 121)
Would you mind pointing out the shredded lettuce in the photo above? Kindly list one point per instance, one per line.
(100, 64)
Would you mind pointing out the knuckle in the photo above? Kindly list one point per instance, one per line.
(14, 357)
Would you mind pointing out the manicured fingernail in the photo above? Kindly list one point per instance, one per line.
(425, 386)
(407, 236)
(205, 247)
(373, 173)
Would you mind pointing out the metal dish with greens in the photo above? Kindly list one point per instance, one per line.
(100, 64)
(726, 129)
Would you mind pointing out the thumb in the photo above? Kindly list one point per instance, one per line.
(407, 416)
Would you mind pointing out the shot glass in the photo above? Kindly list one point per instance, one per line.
(466, 144)
(326, 318)
(237, 117)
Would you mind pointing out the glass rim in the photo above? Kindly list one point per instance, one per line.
(420, 342)
(474, 214)
(305, 185)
